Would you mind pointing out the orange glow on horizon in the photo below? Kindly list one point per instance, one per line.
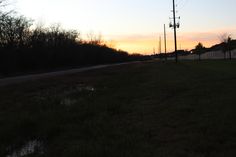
(186, 41)
(148, 46)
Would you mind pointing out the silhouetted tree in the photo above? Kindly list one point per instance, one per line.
(4, 9)
(226, 41)
(199, 49)
(229, 41)
(14, 31)
(23, 48)
(95, 39)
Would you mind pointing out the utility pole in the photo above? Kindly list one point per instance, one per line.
(160, 44)
(175, 25)
(165, 40)
(176, 55)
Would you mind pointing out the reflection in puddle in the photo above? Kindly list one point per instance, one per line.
(68, 102)
(29, 148)
(83, 87)
(79, 88)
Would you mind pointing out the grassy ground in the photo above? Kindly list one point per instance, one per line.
(141, 110)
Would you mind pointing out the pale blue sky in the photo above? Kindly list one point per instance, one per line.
(136, 19)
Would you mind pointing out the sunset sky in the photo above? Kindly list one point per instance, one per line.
(135, 25)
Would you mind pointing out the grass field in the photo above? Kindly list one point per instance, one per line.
(145, 109)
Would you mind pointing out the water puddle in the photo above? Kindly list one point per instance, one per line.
(82, 88)
(68, 102)
(65, 95)
(31, 147)
(85, 88)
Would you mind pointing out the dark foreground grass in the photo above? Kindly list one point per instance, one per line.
(140, 110)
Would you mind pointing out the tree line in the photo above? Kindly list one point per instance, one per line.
(226, 46)
(25, 47)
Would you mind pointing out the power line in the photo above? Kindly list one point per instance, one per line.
(182, 5)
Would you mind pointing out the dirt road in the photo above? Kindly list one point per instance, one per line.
(25, 78)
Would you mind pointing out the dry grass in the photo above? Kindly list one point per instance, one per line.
(140, 110)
